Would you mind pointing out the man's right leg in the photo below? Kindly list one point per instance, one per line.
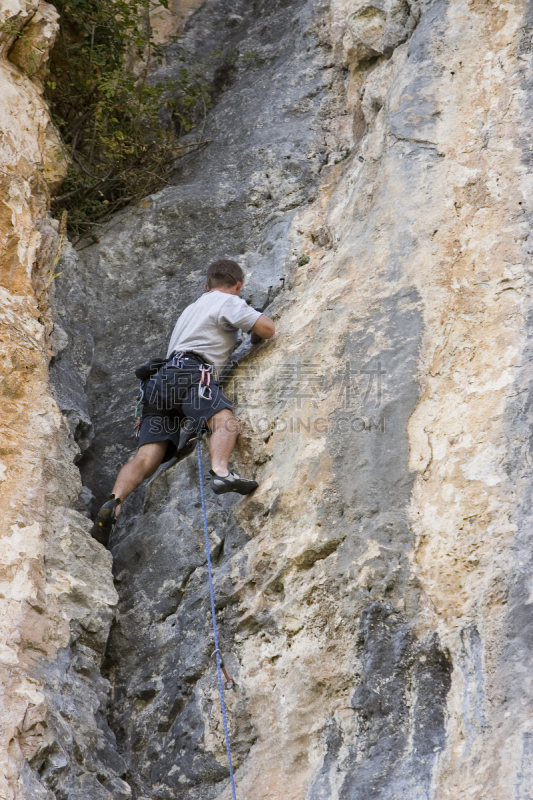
(146, 461)
(148, 458)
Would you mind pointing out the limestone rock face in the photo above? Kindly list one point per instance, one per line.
(56, 593)
(31, 50)
(373, 593)
(377, 28)
(168, 21)
(369, 164)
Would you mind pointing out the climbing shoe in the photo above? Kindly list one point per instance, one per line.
(105, 521)
(231, 483)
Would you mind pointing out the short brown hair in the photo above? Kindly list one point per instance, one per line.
(224, 273)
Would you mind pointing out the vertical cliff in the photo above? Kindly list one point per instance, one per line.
(373, 592)
(56, 591)
(368, 162)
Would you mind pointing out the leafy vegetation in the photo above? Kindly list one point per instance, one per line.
(121, 127)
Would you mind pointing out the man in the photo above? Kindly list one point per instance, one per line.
(201, 343)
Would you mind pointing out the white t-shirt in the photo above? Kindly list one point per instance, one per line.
(209, 326)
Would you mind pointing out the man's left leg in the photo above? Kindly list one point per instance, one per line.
(134, 472)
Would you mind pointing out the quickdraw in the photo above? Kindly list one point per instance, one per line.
(204, 389)
(230, 683)
(177, 361)
(138, 409)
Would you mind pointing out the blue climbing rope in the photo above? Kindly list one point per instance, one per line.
(215, 631)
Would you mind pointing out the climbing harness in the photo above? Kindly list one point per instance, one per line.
(166, 388)
(206, 371)
(220, 664)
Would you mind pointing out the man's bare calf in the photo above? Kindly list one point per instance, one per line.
(224, 431)
(224, 428)
(132, 474)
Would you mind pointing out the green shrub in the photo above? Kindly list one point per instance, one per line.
(122, 128)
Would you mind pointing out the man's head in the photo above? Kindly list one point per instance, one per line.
(225, 275)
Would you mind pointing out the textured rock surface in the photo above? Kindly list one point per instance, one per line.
(373, 595)
(30, 51)
(373, 592)
(56, 592)
(169, 21)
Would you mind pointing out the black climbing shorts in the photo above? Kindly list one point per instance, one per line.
(177, 403)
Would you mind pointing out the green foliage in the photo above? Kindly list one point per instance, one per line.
(122, 129)
(10, 29)
(253, 59)
(343, 157)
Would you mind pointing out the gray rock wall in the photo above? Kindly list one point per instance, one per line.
(372, 595)
(237, 196)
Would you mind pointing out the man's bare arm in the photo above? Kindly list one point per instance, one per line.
(263, 329)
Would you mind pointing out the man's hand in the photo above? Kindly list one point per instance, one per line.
(263, 329)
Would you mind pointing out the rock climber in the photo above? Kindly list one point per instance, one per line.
(183, 395)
